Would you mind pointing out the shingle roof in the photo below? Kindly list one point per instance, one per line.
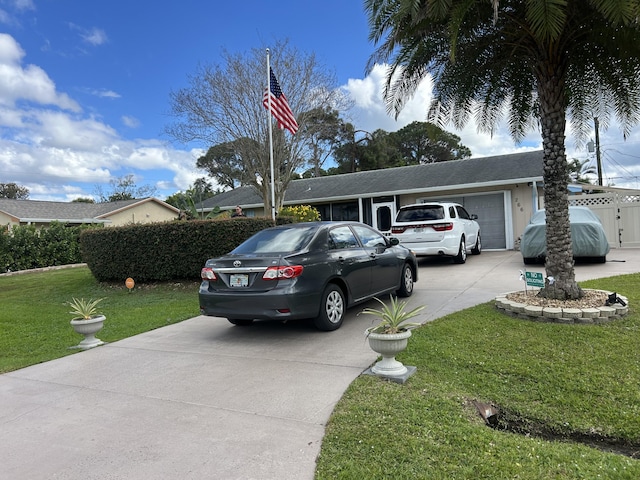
(65, 211)
(496, 170)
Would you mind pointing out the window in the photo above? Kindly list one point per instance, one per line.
(342, 237)
(462, 213)
(369, 238)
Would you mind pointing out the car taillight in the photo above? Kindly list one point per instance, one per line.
(207, 274)
(397, 230)
(442, 227)
(277, 273)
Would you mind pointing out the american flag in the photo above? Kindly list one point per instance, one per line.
(279, 105)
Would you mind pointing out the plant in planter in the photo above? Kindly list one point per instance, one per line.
(87, 321)
(390, 336)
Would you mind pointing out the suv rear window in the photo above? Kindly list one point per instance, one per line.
(421, 213)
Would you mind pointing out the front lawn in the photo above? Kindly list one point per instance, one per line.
(34, 320)
(568, 395)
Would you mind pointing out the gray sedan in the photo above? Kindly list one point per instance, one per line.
(306, 270)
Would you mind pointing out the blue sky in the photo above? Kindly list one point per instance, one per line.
(84, 87)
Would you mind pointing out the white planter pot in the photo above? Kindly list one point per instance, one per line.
(89, 328)
(388, 345)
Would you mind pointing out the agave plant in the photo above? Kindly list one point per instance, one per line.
(393, 317)
(84, 309)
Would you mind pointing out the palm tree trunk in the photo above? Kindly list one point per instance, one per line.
(560, 283)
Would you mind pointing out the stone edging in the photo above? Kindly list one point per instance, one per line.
(562, 315)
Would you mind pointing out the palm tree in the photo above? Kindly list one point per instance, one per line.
(535, 61)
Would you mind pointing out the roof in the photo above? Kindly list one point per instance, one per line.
(69, 212)
(466, 173)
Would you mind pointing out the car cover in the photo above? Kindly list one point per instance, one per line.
(587, 235)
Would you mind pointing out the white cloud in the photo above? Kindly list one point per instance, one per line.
(105, 93)
(29, 83)
(51, 147)
(93, 36)
(130, 121)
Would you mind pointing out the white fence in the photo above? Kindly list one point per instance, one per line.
(619, 214)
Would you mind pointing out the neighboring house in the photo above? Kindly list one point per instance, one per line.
(124, 212)
(503, 191)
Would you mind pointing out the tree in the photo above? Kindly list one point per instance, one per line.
(13, 191)
(225, 165)
(424, 142)
(83, 200)
(416, 143)
(197, 193)
(223, 105)
(537, 61)
(124, 188)
(321, 128)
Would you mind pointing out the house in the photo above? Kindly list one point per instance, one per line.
(503, 191)
(124, 212)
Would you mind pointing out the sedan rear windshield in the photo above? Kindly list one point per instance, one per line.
(421, 213)
(286, 240)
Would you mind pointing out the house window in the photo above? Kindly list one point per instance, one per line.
(345, 211)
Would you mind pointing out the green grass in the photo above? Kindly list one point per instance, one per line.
(34, 320)
(564, 382)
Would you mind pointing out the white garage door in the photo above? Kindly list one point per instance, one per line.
(490, 211)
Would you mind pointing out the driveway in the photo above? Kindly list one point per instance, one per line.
(204, 399)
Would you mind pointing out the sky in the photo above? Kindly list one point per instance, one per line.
(85, 86)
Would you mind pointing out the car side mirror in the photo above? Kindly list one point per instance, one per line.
(393, 241)
(474, 216)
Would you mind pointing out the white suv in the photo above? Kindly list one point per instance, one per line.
(438, 229)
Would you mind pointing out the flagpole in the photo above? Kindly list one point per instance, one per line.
(273, 191)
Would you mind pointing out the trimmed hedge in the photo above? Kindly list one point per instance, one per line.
(25, 247)
(163, 251)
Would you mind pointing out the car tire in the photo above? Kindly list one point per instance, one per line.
(602, 259)
(406, 282)
(529, 260)
(240, 322)
(462, 253)
(332, 309)
(477, 249)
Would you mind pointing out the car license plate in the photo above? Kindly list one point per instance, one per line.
(418, 230)
(239, 280)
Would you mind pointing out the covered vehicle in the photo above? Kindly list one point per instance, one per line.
(305, 270)
(588, 238)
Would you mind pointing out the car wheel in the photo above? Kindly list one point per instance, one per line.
(462, 253)
(332, 309)
(240, 323)
(477, 249)
(529, 260)
(406, 282)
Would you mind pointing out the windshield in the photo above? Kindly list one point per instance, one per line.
(277, 240)
(420, 213)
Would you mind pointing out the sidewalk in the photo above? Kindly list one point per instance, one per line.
(204, 399)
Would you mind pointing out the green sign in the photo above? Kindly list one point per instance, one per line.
(534, 279)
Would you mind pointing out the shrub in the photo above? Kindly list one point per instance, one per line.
(163, 251)
(301, 213)
(25, 246)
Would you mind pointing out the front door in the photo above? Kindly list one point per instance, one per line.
(383, 214)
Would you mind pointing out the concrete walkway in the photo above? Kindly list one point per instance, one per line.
(206, 400)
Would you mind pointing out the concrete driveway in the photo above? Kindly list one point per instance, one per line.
(204, 399)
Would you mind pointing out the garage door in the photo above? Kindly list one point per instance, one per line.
(490, 211)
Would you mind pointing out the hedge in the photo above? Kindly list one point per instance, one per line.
(25, 247)
(163, 251)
